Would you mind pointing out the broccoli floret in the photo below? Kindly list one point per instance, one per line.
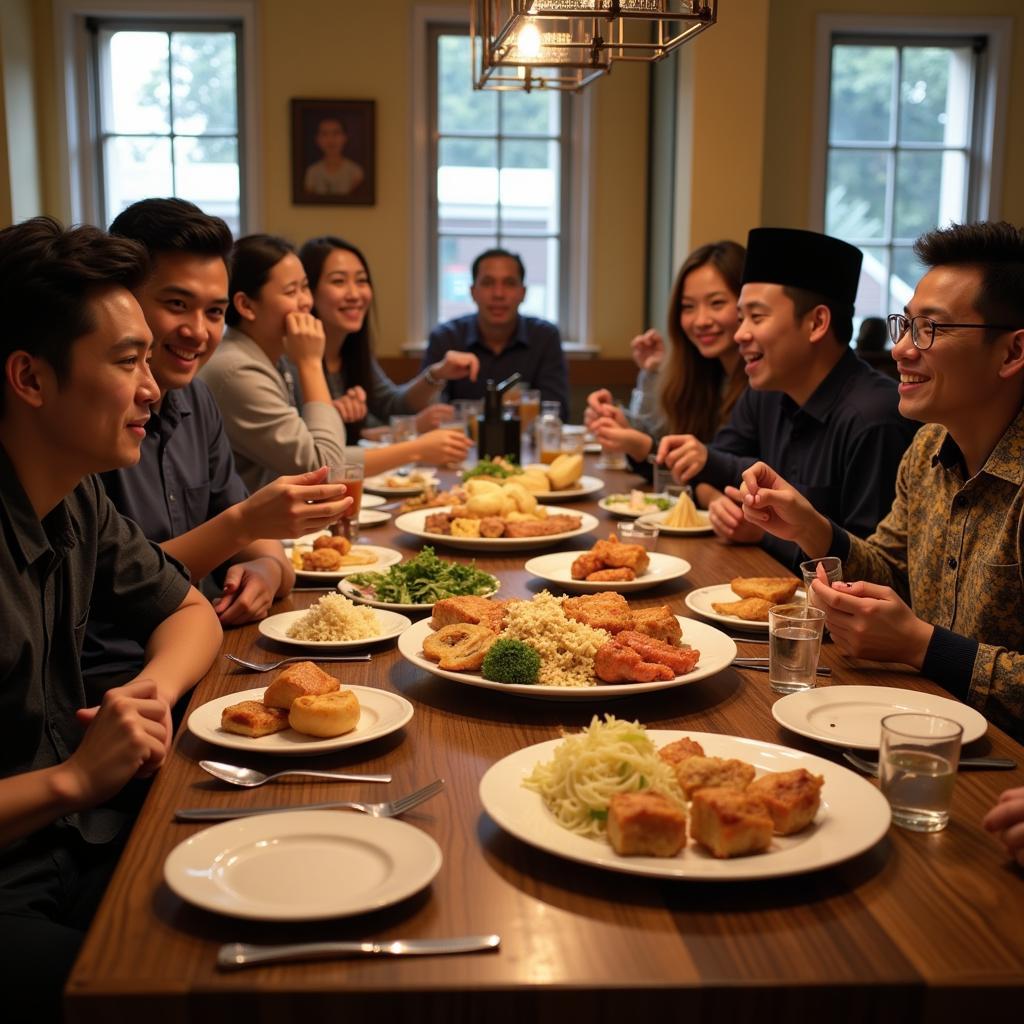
(511, 661)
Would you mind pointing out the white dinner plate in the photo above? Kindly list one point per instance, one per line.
(716, 653)
(371, 517)
(275, 627)
(302, 865)
(557, 568)
(851, 716)
(412, 522)
(700, 601)
(658, 519)
(353, 593)
(378, 485)
(385, 557)
(381, 713)
(371, 500)
(583, 487)
(621, 509)
(853, 816)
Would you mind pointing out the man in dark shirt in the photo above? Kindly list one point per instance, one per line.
(503, 341)
(75, 399)
(812, 406)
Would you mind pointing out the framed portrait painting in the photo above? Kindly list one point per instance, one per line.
(333, 152)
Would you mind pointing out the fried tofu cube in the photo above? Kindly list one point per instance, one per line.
(645, 824)
(681, 750)
(698, 772)
(791, 798)
(253, 718)
(730, 824)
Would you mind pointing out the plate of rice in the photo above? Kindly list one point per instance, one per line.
(567, 650)
(334, 621)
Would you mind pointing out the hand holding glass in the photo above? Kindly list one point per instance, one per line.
(833, 568)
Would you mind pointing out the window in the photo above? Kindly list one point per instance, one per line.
(499, 174)
(167, 116)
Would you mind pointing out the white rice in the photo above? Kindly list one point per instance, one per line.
(335, 617)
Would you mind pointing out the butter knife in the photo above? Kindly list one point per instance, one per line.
(761, 665)
(244, 954)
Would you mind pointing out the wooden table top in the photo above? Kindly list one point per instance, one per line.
(918, 928)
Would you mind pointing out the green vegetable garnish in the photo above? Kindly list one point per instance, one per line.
(425, 579)
(598, 815)
(487, 467)
(511, 661)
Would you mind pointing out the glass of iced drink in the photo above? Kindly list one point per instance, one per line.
(351, 475)
(794, 634)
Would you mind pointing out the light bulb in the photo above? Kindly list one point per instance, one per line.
(529, 41)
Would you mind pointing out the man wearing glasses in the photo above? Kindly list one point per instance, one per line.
(940, 585)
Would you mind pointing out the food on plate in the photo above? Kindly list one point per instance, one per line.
(608, 555)
(253, 718)
(729, 823)
(791, 798)
(611, 576)
(752, 609)
(431, 497)
(318, 559)
(606, 610)
(536, 479)
(424, 579)
(303, 679)
(460, 647)
(684, 515)
(511, 661)
(465, 528)
(326, 714)
(565, 471)
(632, 657)
(329, 554)
(697, 773)
(777, 589)
(335, 617)
(474, 610)
(501, 467)
(417, 478)
(340, 544)
(658, 622)
(645, 824)
(546, 527)
(637, 502)
(680, 750)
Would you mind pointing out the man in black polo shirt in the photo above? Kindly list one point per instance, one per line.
(75, 400)
(828, 421)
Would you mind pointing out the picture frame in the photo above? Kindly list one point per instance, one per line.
(334, 152)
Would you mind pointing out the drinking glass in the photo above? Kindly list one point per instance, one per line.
(469, 411)
(644, 534)
(460, 426)
(794, 635)
(529, 410)
(917, 762)
(809, 570)
(351, 475)
(403, 428)
(572, 440)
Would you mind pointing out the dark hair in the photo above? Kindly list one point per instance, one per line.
(357, 348)
(174, 225)
(997, 249)
(49, 275)
(840, 316)
(691, 391)
(252, 260)
(873, 334)
(488, 254)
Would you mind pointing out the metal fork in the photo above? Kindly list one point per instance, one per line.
(269, 666)
(871, 767)
(388, 809)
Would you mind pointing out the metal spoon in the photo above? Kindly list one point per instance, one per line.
(249, 777)
(871, 767)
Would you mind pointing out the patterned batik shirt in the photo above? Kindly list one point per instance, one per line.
(951, 547)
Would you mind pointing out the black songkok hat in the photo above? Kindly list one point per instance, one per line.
(804, 259)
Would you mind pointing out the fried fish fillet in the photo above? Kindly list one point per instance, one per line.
(623, 575)
(658, 622)
(680, 659)
(473, 610)
(586, 564)
(753, 609)
(614, 663)
(546, 527)
(605, 610)
(775, 589)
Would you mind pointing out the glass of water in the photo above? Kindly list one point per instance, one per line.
(644, 534)
(917, 763)
(794, 634)
(809, 570)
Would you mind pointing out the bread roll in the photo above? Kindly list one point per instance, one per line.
(565, 471)
(251, 718)
(329, 714)
(298, 680)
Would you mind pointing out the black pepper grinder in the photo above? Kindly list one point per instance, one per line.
(499, 427)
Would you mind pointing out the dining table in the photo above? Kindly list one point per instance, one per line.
(918, 927)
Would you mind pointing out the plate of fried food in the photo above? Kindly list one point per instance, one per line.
(744, 603)
(682, 519)
(635, 504)
(493, 524)
(669, 804)
(303, 711)
(626, 567)
(556, 481)
(333, 621)
(398, 485)
(575, 648)
(323, 556)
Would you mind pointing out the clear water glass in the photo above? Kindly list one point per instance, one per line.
(809, 570)
(794, 644)
(644, 534)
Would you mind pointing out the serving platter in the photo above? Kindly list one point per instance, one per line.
(556, 568)
(413, 523)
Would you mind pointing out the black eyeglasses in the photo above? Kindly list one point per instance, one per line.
(922, 329)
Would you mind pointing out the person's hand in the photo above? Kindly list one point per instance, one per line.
(442, 447)
(870, 621)
(683, 454)
(433, 416)
(456, 366)
(291, 506)
(648, 350)
(248, 591)
(1006, 820)
(725, 513)
(776, 506)
(304, 339)
(126, 736)
(351, 406)
(617, 439)
(600, 404)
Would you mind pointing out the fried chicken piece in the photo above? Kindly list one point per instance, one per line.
(617, 555)
(322, 560)
(751, 609)
(546, 527)
(616, 664)
(438, 522)
(680, 659)
(792, 798)
(491, 526)
(680, 750)
(776, 589)
(605, 610)
(645, 824)
(340, 544)
(587, 563)
(460, 647)
(658, 622)
(473, 610)
(623, 575)
(696, 773)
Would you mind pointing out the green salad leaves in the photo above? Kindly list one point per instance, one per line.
(425, 579)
